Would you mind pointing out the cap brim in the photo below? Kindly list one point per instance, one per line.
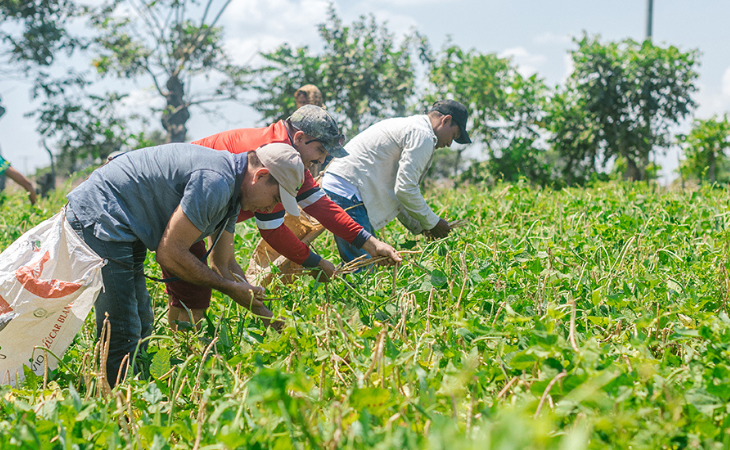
(337, 151)
(464, 137)
(289, 202)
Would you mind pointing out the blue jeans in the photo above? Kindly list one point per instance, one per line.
(124, 297)
(356, 210)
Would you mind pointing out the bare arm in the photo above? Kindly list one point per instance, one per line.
(173, 253)
(22, 181)
(222, 257)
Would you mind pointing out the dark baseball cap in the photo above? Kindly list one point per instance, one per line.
(316, 122)
(458, 114)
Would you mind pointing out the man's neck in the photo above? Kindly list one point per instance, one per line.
(290, 130)
(434, 121)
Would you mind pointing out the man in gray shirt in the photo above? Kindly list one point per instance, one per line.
(165, 199)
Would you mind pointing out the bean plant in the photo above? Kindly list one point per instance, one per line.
(592, 318)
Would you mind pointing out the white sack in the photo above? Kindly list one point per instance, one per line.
(49, 280)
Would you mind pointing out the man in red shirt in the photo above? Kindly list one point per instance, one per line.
(314, 134)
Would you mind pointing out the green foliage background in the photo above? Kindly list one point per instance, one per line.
(467, 345)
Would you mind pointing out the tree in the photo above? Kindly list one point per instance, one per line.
(705, 148)
(158, 39)
(620, 101)
(34, 31)
(362, 73)
(504, 108)
(574, 136)
(285, 71)
(86, 127)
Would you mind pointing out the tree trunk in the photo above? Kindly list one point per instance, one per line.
(711, 163)
(457, 161)
(176, 113)
(633, 173)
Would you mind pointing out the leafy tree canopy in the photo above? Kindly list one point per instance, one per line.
(505, 109)
(620, 101)
(706, 150)
(173, 42)
(34, 31)
(85, 126)
(364, 73)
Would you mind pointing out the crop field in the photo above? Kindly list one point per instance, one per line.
(582, 318)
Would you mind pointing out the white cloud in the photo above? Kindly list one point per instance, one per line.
(408, 3)
(711, 102)
(569, 67)
(253, 26)
(550, 38)
(726, 83)
(527, 63)
(282, 20)
(398, 24)
(245, 51)
(141, 100)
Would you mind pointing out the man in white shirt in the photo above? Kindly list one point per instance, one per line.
(380, 178)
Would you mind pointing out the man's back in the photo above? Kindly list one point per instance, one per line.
(134, 195)
(383, 156)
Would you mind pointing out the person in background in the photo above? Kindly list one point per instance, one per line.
(7, 170)
(379, 179)
(308, 94)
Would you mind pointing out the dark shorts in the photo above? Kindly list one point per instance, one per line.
(188, 294)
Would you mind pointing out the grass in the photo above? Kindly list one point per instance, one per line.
(582, 318)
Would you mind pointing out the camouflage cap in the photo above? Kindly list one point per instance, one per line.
(316, 122)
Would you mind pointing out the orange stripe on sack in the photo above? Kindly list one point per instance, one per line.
(4, 306)
(28, 276)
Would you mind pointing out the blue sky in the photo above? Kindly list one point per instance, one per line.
(536, 34)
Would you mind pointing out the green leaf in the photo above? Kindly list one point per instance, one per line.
(438, 279)
(522, 361)
(368, 397)
(160, 363)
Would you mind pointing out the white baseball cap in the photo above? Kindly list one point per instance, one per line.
(286, 166)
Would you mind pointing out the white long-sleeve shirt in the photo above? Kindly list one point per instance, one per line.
(387, 163)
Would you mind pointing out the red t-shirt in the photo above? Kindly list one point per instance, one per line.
(310, 197)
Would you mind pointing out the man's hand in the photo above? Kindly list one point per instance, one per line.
(325, 271)
(441, 230)
(376, 247)
(250, 297)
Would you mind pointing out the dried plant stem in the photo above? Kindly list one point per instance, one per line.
(45, 369)
(376, 351)
(364, 261)
(125, 366)
(571, 333)
(547, 391)
(428, 311)
(506, 388)
(103, 387)
(459, 223)
(321, 379)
